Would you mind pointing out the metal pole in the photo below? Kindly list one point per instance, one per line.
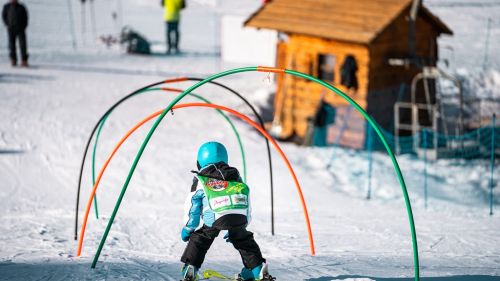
(415, 127)
(488, 28)
(120, 14)
(435, 129)
(396, 128)
(217, 37)
(84, 22)
(412, 34)
(93, 21)
(369, 144)
(71, 23)
(492, 162)
(424, 132)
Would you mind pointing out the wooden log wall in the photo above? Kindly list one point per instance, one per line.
(300, 98)
(393, 42)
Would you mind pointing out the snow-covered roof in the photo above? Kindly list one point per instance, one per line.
(359, 21)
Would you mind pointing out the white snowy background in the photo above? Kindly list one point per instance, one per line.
(48, 111)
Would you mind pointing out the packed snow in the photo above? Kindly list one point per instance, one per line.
(48, 111)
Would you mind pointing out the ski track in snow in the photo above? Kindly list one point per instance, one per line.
(48, 111)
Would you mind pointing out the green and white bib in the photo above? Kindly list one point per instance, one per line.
(225, 196)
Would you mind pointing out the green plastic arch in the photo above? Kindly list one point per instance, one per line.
(370, 120)
(399, 174)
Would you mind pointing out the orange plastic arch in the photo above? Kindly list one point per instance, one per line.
(173, 80)
(178, 106)
(270, 69)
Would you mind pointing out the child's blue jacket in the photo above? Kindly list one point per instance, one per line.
(196, 207)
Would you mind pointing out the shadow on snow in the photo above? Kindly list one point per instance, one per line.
(444, 278)
(76, 270)
(137, 269)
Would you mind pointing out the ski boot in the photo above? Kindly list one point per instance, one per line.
(258, 273)
(189, 273)
(245, 275)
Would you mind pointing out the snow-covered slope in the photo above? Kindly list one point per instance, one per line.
(470, 44)
(48, 111)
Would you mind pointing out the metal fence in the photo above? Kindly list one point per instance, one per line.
(482, 143)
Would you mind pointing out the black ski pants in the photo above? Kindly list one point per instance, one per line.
(242, 239)
(13, 36)
(173, 31)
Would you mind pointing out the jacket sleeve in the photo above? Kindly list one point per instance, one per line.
(249, 210)
(24, 17)
(193, 208)
(4, 14)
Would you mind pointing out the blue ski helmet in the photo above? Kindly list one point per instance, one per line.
(210, 153)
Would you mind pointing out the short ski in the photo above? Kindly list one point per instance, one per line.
(214, 275)
(210, 274)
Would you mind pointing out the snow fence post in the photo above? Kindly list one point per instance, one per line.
(424, 132)
(492, 161)
(487, 44)
(369, 144)
(71, 24)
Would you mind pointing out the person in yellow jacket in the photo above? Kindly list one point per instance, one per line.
(172, 15)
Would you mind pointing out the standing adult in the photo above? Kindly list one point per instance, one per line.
(172, 15)
(15, 18)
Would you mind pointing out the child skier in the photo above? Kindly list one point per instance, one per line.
(221, 199)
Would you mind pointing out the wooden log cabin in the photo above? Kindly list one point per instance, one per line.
(316, 36)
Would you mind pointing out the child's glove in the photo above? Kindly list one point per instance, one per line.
(185, 234)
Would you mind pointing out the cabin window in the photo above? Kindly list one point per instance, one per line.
(326, 67)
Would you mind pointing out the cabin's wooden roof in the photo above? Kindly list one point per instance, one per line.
(359, 21)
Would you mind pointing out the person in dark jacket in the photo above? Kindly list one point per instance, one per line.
(15, 18)
(220, 201)
(348, 76)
